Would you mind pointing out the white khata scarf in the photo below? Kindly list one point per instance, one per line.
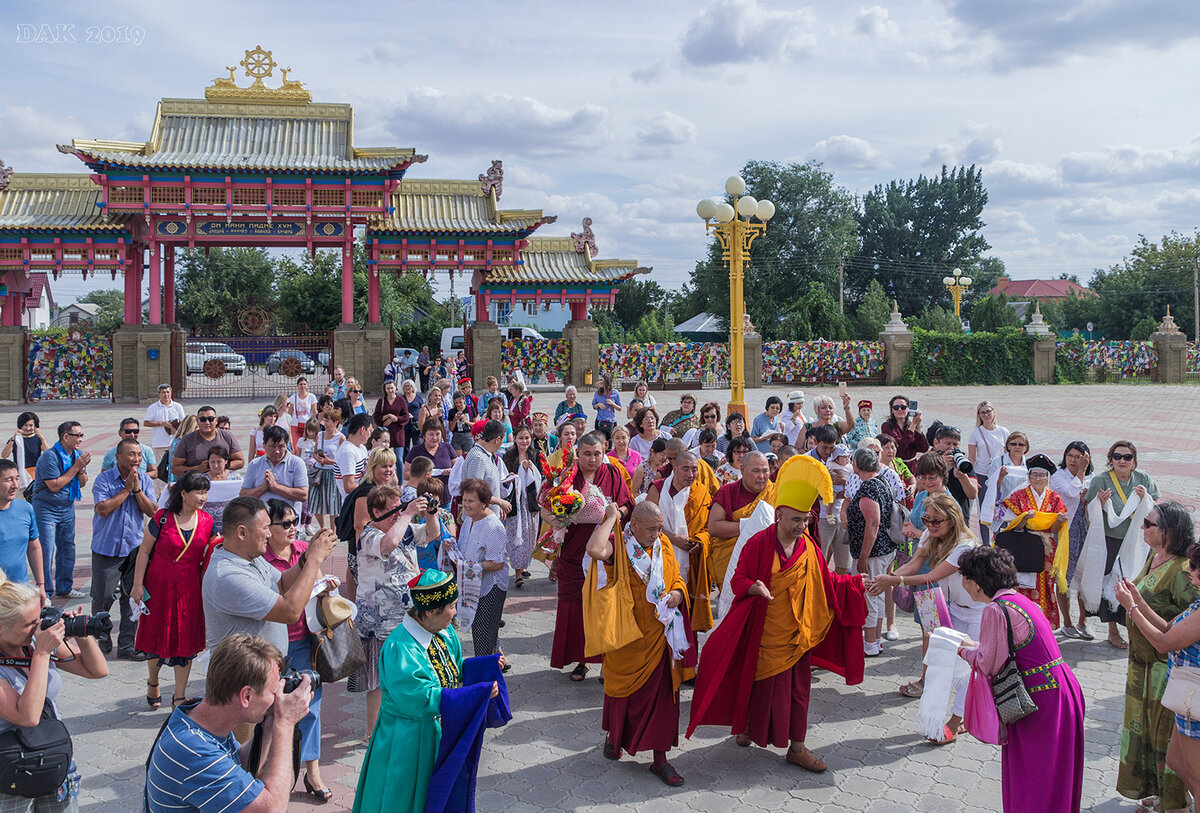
(1094, 584)
(945, 670)
(649, 568)
(675, 521)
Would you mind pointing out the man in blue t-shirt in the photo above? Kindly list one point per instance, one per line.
(20, 550)
(197, 764)
(58, 483)
(130, 428)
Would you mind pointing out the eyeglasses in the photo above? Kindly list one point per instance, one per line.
(287, 523)
(74, 434)
(986, 411)
(900, 408)
(131, 431)
(207, 418)
(1146, 523)
(933, 520)
(1122, 456)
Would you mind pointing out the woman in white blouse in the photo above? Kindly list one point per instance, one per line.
(483, 539)
(985, 443)
(1071, 482)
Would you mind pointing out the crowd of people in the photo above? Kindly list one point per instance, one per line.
(743, 554)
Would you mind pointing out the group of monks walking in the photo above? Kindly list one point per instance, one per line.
(635, 584)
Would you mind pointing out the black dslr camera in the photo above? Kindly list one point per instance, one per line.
(78, 626)
(292, 677)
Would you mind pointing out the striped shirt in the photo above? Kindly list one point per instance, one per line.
(193, 769)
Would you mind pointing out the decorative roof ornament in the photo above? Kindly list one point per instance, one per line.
(585, 239)
(896, 322)
(493, 181)
(6, 173)
(1168, 323)
(1037, 325)
(258, 64)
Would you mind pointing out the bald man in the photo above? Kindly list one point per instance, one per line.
(685, 503)
(705, 473)
(641, 679)
(733, 503)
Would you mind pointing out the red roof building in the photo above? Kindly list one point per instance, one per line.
(1047, 290)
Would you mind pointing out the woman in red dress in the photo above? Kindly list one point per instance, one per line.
(170, 565)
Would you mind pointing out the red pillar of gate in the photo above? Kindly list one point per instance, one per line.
(578, 311)
(155, 285)
(348, 283)
(169, 285)
(133, 290)
(373, 295)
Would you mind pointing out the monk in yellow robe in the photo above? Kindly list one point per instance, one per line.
(641, 679)
(705, 473)
(685, 502)
(731, 504)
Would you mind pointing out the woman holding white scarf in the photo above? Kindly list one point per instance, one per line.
(483, 540)
(525, 461)
(1070, 482)
(1117, 502)
(985, 443)
(1006, 474)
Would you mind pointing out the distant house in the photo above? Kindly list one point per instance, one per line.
(1047, 290)
(76, 312)
(39, 305)
(703, 327)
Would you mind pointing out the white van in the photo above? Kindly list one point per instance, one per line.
(454, 338)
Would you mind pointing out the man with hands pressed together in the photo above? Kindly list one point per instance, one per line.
(685, 503)
(59, 478)
(641, 679)
(124, 497)
(277, 473)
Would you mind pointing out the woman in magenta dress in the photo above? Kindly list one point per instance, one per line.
(170, 565)
(1042, 758)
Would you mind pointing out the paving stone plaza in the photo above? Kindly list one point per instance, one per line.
(548, 757)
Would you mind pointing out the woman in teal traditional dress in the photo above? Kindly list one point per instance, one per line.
(1164, 587)
(422, 674)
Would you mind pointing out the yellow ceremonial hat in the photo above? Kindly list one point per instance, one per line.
(800, 481)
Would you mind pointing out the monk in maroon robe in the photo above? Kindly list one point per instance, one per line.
(600, 483)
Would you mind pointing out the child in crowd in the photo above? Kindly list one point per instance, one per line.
(460, 424)
(266, 417)
(708, 448)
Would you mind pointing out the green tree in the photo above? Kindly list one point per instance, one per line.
(814, 226)
(635, 298)
(214, 287)
(1143, 328)
(1077, 310)
(653, 327)
(310, 290)
(111, 314)
(992, 313)
(1153, 277)
(815, 315)
(873, 312)
(937, 319)
(914, 232)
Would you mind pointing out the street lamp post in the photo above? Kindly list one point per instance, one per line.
(732, 225)
(957, 285)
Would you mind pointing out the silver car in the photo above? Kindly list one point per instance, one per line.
(199, 353)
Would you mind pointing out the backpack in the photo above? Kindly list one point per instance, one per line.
(345, 519)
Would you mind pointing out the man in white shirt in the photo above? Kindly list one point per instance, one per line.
(351, 456)
(481, 463)
(163, 416)
(277, 473)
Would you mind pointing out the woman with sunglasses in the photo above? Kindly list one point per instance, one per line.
(735, 427)
(1163, 589)
(1117, 486)
(284, 549)
(169, 567)
(935, 565)
(905, 428)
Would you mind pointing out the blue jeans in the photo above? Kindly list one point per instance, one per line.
(985, 532)
(56, 524)
(310, 727)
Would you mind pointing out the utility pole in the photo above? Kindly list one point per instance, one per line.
(842, 282)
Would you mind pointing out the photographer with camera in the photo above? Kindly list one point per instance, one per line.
(961, 485)
(37, 771)
(196, 762)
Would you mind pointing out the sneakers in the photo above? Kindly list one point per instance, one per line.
(872, 649)
(72, 594)
(892, 635)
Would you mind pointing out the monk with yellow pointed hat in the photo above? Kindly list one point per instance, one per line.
(733, 503)
(789, 613)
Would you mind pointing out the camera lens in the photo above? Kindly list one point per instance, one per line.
(293, 677)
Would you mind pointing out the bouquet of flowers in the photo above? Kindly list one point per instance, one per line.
(560, 500)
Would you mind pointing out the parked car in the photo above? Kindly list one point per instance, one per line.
(454, 338)
(307, 365)
(198, 353)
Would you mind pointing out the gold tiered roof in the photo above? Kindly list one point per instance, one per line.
(459, 207)
(556, 260)
(53, 201)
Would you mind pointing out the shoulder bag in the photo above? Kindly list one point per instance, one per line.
(35, 761)
(1182, 695)
(608, 620)
(337, 652)
(1027, 549)
(1008, 687)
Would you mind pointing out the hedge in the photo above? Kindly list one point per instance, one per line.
(1005, 357)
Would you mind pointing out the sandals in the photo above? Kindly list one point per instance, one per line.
(151, 700)
(579, 673)
(175, 701)
(322, 795)
(519, 581)
(948, 737)
(1118, 643)
(914, 689)
(667, 774)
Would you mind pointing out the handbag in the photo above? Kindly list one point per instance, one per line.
(163, 469)
(1027, 548)
(896, 524)
(337, 653)
(1008, 687)
(980, 716)
(608, 622)
(35, 761)
(1182, 694)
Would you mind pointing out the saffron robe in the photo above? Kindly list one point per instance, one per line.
(730, 660)
(1044, 595)
(738, 503)
(699, 579)
(568, 643)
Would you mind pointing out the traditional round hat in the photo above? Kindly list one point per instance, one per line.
(1040, 461)
(432, 590)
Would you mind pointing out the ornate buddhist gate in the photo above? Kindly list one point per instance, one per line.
(261, 361)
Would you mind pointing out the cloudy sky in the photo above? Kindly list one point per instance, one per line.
(1080, 112)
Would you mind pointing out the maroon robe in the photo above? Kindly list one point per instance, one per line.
(567, 647)
(725, 676)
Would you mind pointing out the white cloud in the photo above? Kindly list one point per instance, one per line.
(664, 134)
(498, 123)
(743, 31)
(848, 152)
(1015, 181)
(975, 144)
(386, 53)
(1006, 221)
(1098, 210)
(875, 22)
(1128, 163)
